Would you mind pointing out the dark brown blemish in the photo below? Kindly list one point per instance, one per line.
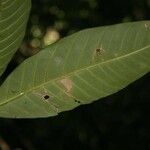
(77, 101)
(46, 97)
(99, 51)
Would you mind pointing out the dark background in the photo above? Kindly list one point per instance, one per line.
(120, 121)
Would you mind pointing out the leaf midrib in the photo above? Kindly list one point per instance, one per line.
(73, 72)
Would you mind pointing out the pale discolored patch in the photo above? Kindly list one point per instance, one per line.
(67, 83)
(58, 60)
(147, 26)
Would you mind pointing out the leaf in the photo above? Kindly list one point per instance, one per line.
(13, 20)
(77, 70)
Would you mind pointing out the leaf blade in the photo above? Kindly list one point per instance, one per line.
(13, 20)
(98, 68)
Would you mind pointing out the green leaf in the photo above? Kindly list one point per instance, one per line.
(77, 70)
(13, 20)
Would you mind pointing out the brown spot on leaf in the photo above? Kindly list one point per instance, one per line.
(46, 97)
(67, 83)
(97, 53)
(77, 101)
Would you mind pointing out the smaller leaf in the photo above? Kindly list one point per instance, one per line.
(13, 19)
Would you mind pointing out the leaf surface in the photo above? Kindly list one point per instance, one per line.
(13, 20)
(77, 70)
